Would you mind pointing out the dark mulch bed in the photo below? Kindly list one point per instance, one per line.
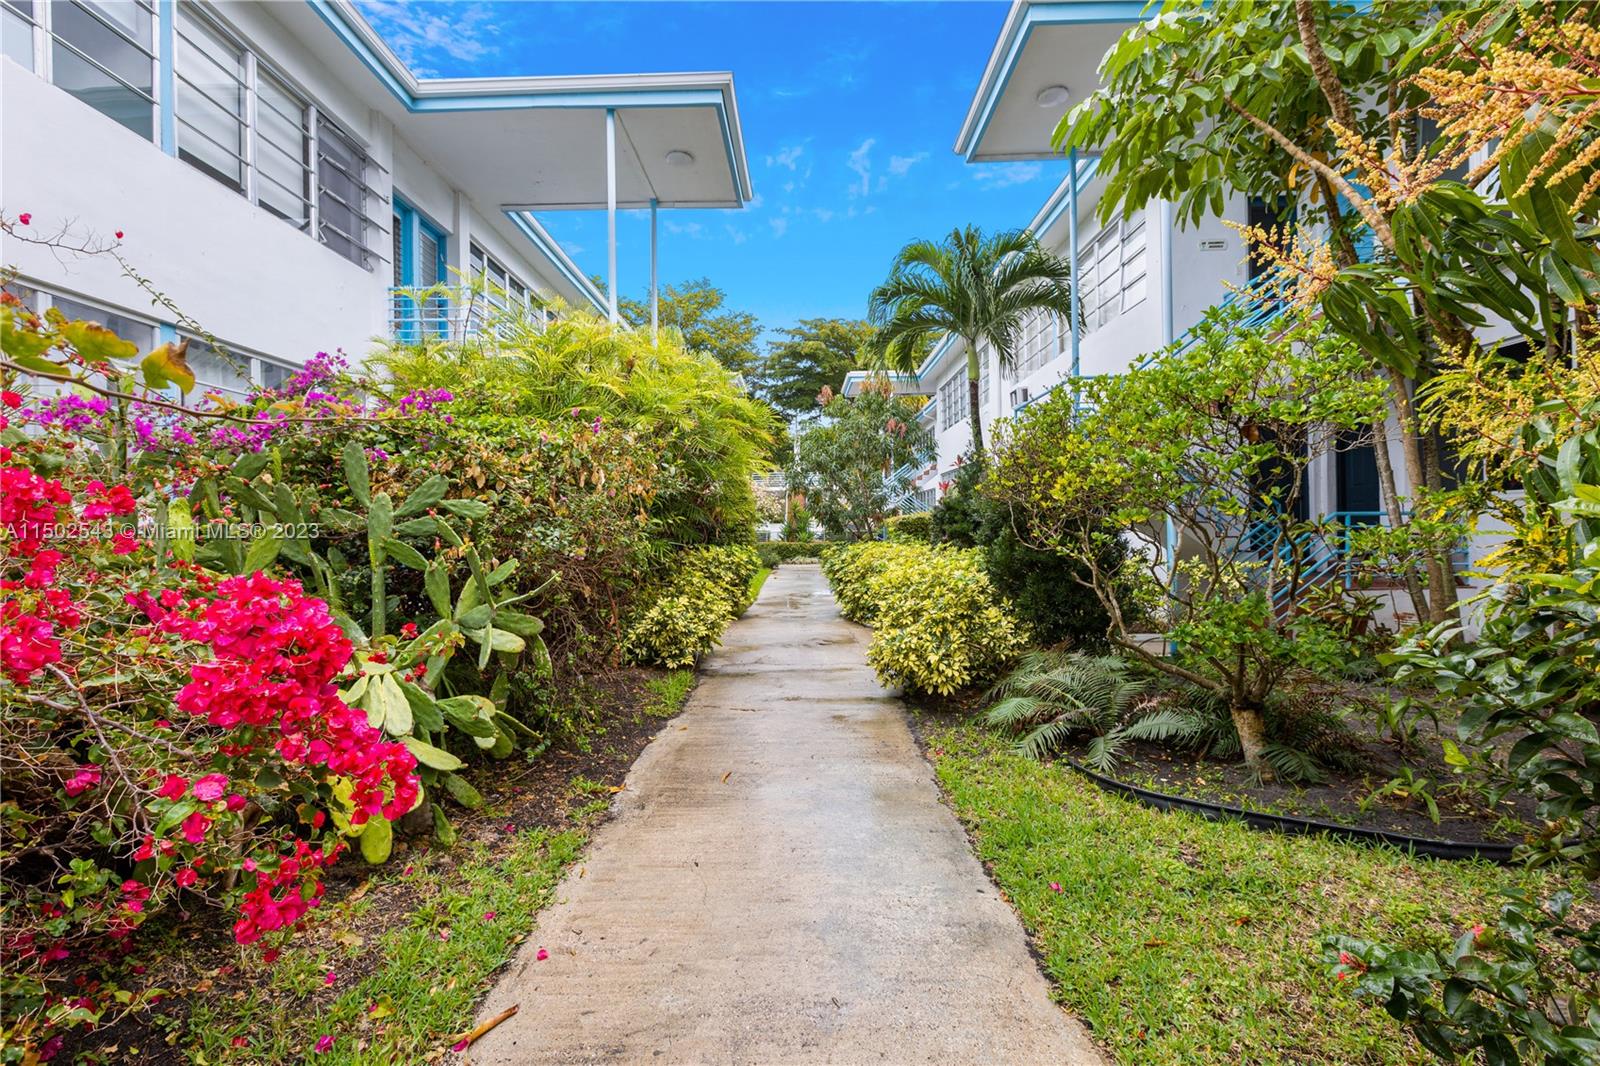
(196, 956)
(1464, 815)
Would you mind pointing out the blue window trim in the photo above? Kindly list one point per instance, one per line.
(413, 224)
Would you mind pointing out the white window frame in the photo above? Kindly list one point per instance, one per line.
(45, 38)
(953, 399)
(1113, 266)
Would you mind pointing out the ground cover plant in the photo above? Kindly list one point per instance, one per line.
(1180, 940)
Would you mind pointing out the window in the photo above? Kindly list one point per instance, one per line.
(953, 399)
(1112, 266)
(282, 154)
(1041, 341)
(342, 193)
(212, 104)
(238, 121)
(504, 290)
(139, 332)
(228, 374)
(104, 54)
(16, 31)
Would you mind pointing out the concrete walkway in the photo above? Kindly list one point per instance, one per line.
(781, 884)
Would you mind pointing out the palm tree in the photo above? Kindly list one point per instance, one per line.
(978, 288)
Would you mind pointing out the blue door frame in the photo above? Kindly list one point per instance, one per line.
(413, 320)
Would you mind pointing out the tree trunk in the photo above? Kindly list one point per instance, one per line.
(1252, 730)
(1391, 506)
(1442, 598)
(975, 418)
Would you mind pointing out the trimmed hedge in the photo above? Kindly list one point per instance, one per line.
(941, 627)
(709, 588)
(773, 553)
(909, 528)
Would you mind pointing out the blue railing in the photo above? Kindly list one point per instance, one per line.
(1324, 555)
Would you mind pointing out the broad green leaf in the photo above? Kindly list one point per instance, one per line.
(96, 344)
(181, 530)
(436, 579)
(263, 552)
(424, 710)
(426, 495)
(356, 474)
(404, 554)
(397, 719)
(168, 365)
(377, 840)
(462, 792)
(428, 755)
(469, 509)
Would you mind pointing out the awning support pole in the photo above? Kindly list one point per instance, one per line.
(1072, 256)
(655, 296)
(611, 214)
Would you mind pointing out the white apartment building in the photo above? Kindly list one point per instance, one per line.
(278, 173)
(1143, 283)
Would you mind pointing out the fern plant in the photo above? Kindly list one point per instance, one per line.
(1053, 696)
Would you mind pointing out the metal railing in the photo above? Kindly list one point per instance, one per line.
(449, 313)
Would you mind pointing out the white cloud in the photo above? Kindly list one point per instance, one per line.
(1003, 175)
(686, 229)
(823, 214)
(861, 163)
(468, 33)
(737, 236)
(755, 202)
(780, 226)
(787, 157)
(900, 164)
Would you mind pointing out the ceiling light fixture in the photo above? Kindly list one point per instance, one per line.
(679, 158)
(1053, 95)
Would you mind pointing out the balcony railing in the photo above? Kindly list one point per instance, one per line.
(453, 313)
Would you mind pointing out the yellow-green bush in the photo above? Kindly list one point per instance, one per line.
(941, 626)
(708, 588)
(912, 528)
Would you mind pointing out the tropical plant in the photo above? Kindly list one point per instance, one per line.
(809, 356)
(1527, 990)
(1201, 454)
(1052, 696)
(846, 463)
(709, 587)
(696, 312)
(1320, 108)
(938, 625)
(980, 289)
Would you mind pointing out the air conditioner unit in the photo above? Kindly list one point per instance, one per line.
(1019, 397)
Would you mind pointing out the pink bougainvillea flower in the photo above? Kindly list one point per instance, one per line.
(186, 877)
(324, 1044)
(1055, 886)
(119, 235)
(270, 956)
(236, 802)
(86, 778)
(173, 787)
(460, 1045)
(210, 787)
(488, 916)
(195, 828)
(409, 631)
(240, 1041)
(11, 399)
(25, 218)
(329, 978)
(124, 544)
(541, 954)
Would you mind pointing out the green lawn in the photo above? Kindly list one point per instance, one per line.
(437, 962)
(668, 692)
(1184, 941)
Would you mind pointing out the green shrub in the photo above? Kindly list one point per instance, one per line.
(940, 625)
(909, 528)
(708, 588)
(776, 552)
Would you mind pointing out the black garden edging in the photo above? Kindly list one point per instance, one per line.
(1285, 823)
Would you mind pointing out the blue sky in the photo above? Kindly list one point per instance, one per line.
(849, 114)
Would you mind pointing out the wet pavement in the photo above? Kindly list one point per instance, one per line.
(780, 883)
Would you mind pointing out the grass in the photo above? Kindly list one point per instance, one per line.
(438, 960)
(668, 692)
(757, 579)
(1185, 941)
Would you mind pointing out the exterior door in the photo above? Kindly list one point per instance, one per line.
(419, 263)
(1356, 482)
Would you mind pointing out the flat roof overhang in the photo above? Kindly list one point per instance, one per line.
(525, 144)
(1041, 45)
